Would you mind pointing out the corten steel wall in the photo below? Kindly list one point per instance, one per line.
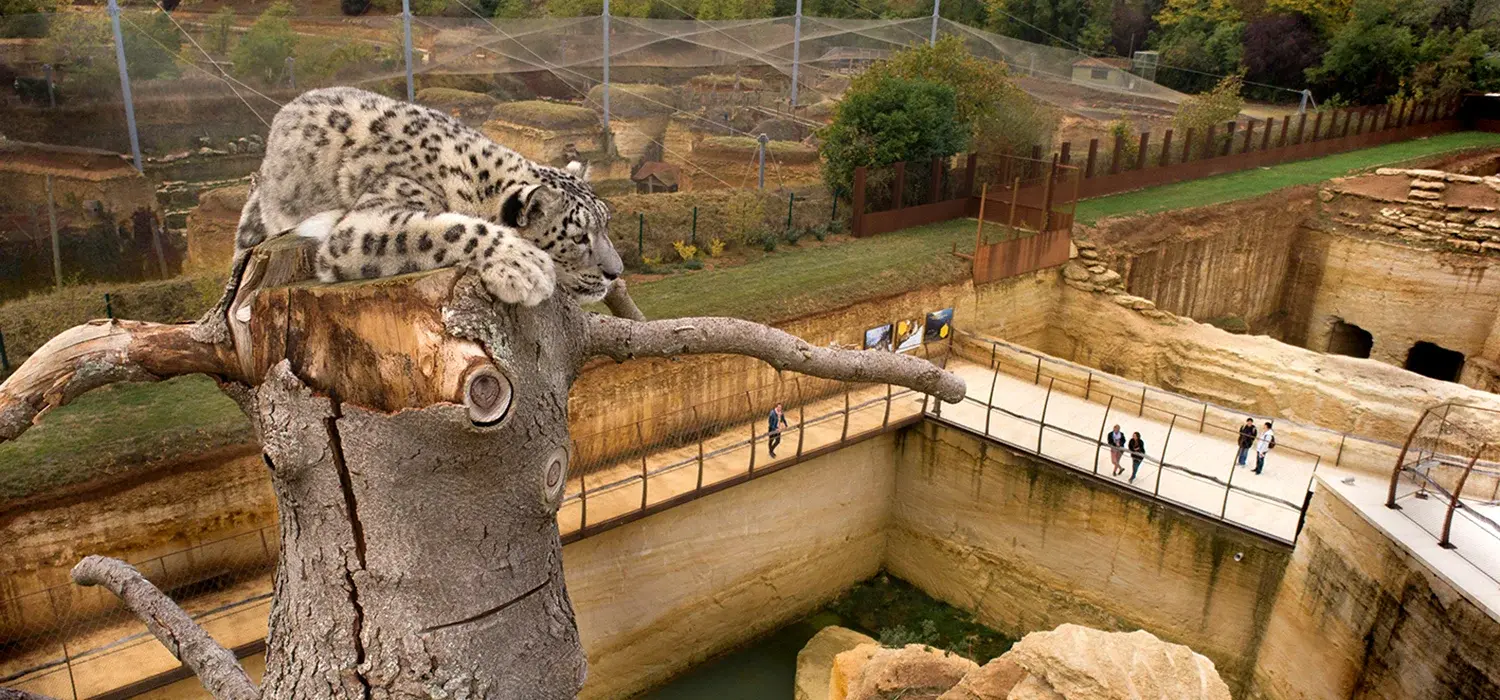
(1293, 137)
(1178, 158)
(1018, 256)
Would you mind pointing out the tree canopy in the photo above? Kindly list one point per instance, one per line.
(889, 119)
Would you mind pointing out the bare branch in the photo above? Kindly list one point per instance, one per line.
(620, 304)
(215, 666)
(97, 353)
(623, 339)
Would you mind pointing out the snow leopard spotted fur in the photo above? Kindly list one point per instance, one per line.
(390, 188)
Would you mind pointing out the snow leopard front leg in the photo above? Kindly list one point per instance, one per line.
(383, 236)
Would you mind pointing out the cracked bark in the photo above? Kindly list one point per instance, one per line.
(417, 439)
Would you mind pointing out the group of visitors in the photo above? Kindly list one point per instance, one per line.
(1117, 447)
(1263, 441)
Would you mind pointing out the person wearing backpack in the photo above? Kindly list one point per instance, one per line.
(1263, 444)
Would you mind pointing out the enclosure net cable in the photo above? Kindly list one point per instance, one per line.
(237, 94)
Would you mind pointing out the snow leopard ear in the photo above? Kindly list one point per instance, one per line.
(528, 205)
(579, 170)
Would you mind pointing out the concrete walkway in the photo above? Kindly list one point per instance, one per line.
(1200, 462)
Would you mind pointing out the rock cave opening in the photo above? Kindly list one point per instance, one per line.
(1349, 339)
(1436, 361)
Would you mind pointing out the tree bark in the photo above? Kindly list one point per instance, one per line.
(417, 439)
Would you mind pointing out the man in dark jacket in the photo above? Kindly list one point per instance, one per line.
(778, 421)
(1247, 439)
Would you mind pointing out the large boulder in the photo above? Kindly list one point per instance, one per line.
(1079, 663)
(815, 661)
(913, 672)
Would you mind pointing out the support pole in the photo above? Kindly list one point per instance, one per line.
(291, 72)
(56, 244)
(605, 101)
(763, 139)
(411, 93)
(135, 139)
(932, 40)
(796, 56)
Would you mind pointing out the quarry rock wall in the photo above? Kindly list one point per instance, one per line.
(659, 595)
(1356, 616)
(1027, 546)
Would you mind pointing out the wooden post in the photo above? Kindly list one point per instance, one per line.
(1285, 121)
(857, 215)
(699, 429)
(1348, 116)
(1067, 152)
(1249, 134)
(935, 181)
(1317, 125)
(802, 416)
(1166, 149)
(1047, 196)
(970, 170)
(1041, 425)
(1035, 164)
(1088, 169)
(1229, 139)
(1265, 138)
(1458, 490)
(751, 405)
(1302, 129)
(1187, 145)
(984, 190)
(899, 188)
(56, 243)
(1140, 154)
(640, 441)
(1114, 161)
(845, 435)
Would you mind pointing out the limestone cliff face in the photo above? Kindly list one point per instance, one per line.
(1358, 617)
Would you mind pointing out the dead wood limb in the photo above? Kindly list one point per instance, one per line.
(622, 339)
(97, 353)
(620, 304)
(214, 665)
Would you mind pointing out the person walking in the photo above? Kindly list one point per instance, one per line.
(1247, 439)
(1137, 454)
(778, 421)
(1265, 443)
(1116, 441)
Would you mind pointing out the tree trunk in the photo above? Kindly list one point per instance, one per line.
(417, 439)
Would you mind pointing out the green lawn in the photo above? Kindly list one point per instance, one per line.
(1254, 183)
(119, 427)
(123, 426)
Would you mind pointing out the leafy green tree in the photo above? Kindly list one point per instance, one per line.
(1196, 51)
(26, 18)
(1212, 108)
(998, 116)
(1084, 23)
(263, 51)
(1368, 58)
(509, 9)
(886, 120)
(221, 29)
(152, 43)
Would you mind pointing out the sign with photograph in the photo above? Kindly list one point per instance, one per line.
(878, 338)
(939, 325)
(908, 334)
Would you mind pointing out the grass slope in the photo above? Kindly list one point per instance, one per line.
(122, 426)
(1253, 183)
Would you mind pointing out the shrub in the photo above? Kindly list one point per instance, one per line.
(651, 261)
(685, 251)
(744, 215)
(546, 115)
(819, 231)
(768, 242)
(221, 30)
(793, 234)
(263, 51)
(716, 247)
(890, 120)
(1212, 108)
(694, 264)
(321, 61)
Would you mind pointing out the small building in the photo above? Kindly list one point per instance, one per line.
(656, 176)
(1104, 72)
(849, 60)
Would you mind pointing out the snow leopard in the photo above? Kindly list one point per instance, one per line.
(391, 188)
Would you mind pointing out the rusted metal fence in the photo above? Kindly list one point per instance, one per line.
(902, 195)
(1176, 157)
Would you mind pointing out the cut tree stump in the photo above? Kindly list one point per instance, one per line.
(416, 436)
